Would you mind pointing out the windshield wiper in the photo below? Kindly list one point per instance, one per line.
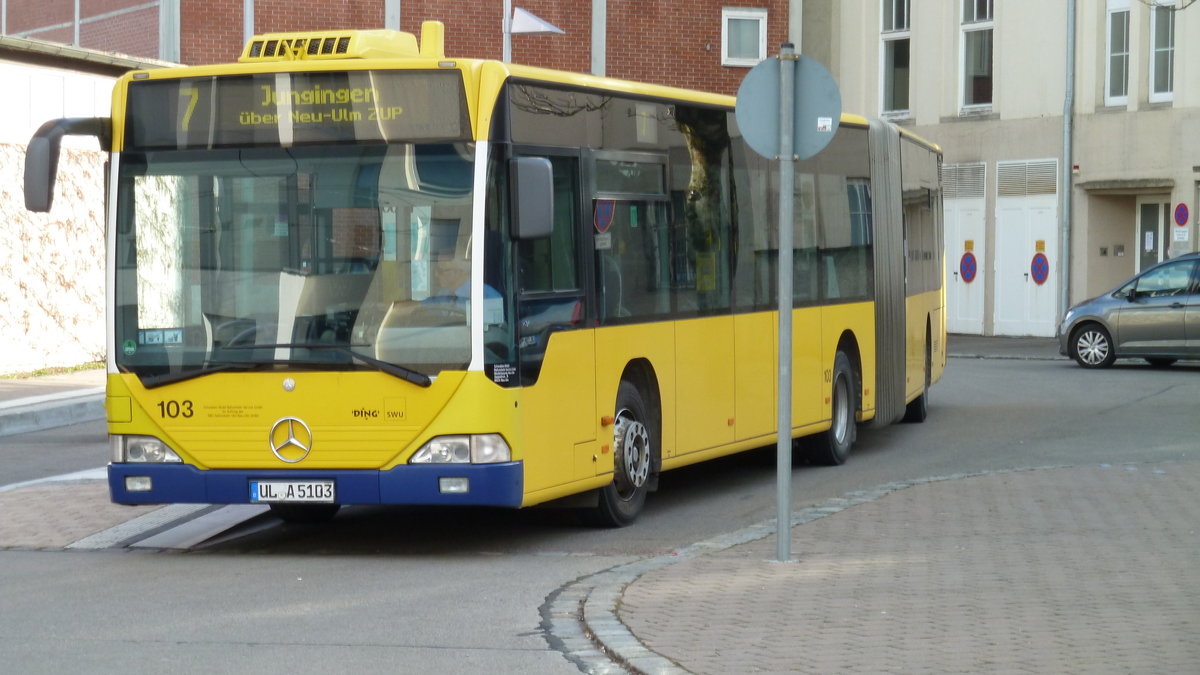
(152, 381)
(407, 374)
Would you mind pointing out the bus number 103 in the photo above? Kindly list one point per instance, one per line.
(174, 409)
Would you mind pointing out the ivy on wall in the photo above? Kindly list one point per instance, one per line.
(52, 266)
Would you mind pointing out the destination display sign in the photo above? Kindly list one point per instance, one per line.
(296, 109)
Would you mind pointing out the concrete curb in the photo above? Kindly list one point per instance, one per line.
(35, 413)
(1008, 357)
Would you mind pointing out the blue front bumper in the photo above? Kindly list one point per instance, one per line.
(490, 484)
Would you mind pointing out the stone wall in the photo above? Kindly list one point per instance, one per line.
(52, 265)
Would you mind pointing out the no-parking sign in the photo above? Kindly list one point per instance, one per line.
(1039, 268)
(968, 267)
(1181, 223)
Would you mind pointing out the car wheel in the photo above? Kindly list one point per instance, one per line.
(1091, 346)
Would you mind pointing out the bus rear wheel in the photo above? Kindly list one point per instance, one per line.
(634, 444)
(832, 447)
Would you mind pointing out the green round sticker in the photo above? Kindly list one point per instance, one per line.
(129, 347)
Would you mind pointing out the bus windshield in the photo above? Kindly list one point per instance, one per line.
(312, 257)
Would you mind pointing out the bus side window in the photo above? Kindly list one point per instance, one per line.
(550, 294)
(550, 265)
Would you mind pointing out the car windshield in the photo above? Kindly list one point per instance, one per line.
(293, 258)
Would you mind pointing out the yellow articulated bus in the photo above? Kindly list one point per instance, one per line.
(350, 270)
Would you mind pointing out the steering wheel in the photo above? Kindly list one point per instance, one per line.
(243, 330)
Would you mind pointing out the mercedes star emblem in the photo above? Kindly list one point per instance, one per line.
(291, 440)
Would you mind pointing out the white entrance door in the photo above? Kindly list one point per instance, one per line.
(1027, 256)
(966, 252)
(1154, 226)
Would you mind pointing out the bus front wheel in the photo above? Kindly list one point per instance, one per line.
(634, 444)
(832, 447)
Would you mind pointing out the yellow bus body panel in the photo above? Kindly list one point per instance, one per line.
(616, 348)
(924, 312)
(558, 426)
(358, 420)
(756, 378)
(704, 384)
(854, 321)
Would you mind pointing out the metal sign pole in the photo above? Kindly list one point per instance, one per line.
(809, 107)
(787, 181)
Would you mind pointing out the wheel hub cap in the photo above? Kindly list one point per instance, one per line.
(1093, 348)
(632, 445)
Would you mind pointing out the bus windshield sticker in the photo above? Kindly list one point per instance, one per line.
(501, 373)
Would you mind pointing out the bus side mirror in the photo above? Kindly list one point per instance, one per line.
(532, 197)
(41, 156)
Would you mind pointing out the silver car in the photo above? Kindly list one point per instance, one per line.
(1154, 316)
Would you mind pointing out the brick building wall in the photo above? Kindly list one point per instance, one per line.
(134, 33)
(571, 50)
(36, 15)
(123, 26)
(210, 31)
(671, 42)
(473, 30)
(665, 44)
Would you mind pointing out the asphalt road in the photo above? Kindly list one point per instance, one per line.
(405, 590)
(53, 452)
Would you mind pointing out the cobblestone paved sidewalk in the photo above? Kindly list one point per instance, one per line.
(1076, 570)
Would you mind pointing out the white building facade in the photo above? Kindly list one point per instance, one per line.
(1071, 133)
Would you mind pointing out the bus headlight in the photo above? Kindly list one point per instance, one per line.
(472, 449)
(141, 449)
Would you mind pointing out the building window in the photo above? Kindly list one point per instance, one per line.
(1162, 54)
(1116, 91)
(976, 53)
(896, 35)
(743, 36)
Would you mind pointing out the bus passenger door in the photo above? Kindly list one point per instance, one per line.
(704, 346)
(556, 359)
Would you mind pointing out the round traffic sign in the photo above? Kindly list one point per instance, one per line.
(1040, 268)
(968, 267)
(816, 107)
(1181, 214)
